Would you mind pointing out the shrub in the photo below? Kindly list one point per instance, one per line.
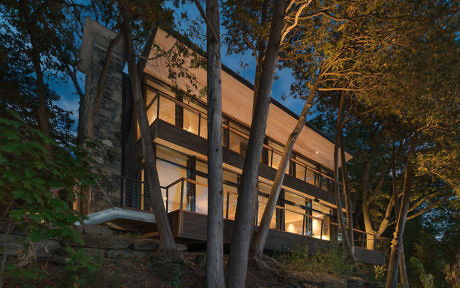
(39, 181)
(329, 260)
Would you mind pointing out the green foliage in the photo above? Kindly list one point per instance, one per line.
(379, 272)
(333, 260)
(38, 187)
(425, 279)
(433, 240)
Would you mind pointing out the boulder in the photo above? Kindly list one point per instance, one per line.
(13, 246)
(122, 254)
(45, 248)
(97, 230)
(106, 242)
(146, 244)
(95, 252)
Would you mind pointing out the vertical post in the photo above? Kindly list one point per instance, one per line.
(321, 235)
(257, 207)
(123, 189)
(158, 106)
(271, 159)
(182, 194)
(303, 225)
(167, 199)
(228, 204)
(199, 123)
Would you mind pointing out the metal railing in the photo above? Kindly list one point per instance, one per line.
(194, 121)
(184, 194)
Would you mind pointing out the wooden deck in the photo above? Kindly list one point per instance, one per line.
(192, 226)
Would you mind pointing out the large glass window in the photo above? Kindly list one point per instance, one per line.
(171, 167)
(167, 110)
(321, 221)
(230, 200)
(262, 202)
(295, 211)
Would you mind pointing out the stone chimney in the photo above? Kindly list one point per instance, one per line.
(108, 121)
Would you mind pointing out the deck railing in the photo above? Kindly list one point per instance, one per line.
(235, 137)
(180, 195)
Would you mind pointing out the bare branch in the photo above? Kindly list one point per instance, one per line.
(73, 76)
(339, 89)
(296, 20)
(146, 50)
(422, 200)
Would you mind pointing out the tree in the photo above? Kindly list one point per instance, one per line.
(245, 210)
(166, 237)
(327, 48)
(31, 50)
(215, 240)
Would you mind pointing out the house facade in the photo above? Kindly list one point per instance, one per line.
(306, 208)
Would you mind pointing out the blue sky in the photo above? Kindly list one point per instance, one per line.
(70, 99)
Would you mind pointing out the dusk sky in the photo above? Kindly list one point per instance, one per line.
(70, 98)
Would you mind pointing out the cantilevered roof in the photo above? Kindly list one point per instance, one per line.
(237, 98)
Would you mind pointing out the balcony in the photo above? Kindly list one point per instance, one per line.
(190, 116)
(292, 224)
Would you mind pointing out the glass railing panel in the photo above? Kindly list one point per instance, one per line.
(276, 160)
(174, 196)
(191, 121)
(238, 143)
(300, 171)
(310, 178)
(203, 126)
(201, 195)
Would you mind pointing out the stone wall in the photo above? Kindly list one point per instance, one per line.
(108, 118)
(107, 131)
(99, 242)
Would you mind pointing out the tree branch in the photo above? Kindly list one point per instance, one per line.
(203, 14)
(296, 19)
(73, 76)
(146, 49)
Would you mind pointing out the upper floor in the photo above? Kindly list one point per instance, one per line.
(237, 104)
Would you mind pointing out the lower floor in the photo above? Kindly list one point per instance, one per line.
(184, 179)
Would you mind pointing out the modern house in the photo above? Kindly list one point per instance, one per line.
(306, 210)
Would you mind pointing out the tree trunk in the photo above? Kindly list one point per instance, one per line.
(166, 237)
(402, 260)
(244, 219)
(337, 194)
(392, 274)
(346, 188)
(402, 267)
(36, 62)
(370, 232)
(262, 233)
(215, 242)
